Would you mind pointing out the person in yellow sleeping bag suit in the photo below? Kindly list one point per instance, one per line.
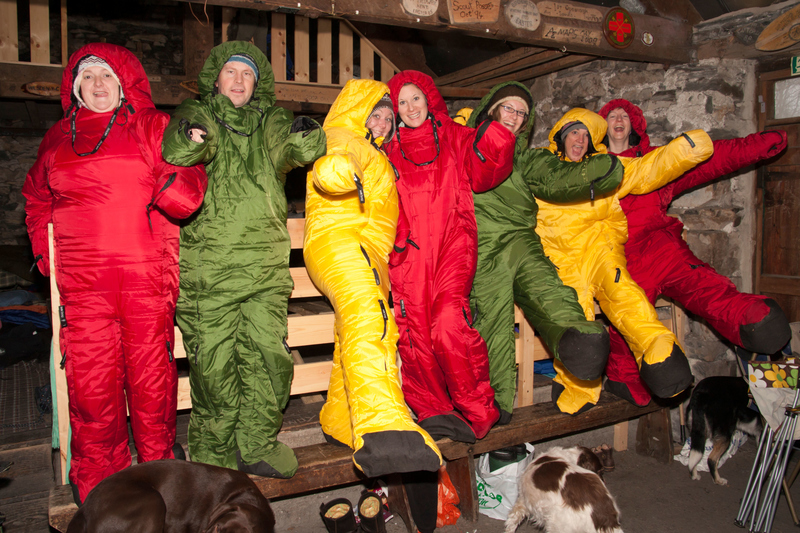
(351, 219)
(586, 241)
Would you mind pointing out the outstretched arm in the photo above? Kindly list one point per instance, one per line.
(666, 163)
(730, 155)
(554, 180)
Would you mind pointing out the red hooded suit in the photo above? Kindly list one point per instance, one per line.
(661, 263)
(445, 366)
(100, 179)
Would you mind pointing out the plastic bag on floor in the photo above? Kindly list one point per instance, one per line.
(446, 513)
(497, 489)
(737, 441)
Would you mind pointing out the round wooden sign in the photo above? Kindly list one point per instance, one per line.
(618, 28)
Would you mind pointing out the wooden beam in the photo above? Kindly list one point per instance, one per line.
(506, 72)
(324, 51)
(64, 34)
(278, 46)
(400, 46)
(490, 65)
(554, 63)
(680, 10)
(569, 26)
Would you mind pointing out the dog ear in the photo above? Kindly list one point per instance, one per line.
(588, 459)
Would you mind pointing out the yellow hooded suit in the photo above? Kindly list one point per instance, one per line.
(351, 218)
(586, 241)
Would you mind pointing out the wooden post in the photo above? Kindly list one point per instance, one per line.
(40, 31)
(301, 49)
(198, 40)
(367, 60)
(654, 436)
(227, 16)
(9, 38)
(64, 34)
(345, 53)
(324, 51)
(278, 42)
(462, 474)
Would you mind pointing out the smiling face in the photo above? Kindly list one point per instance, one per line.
(511, 115)
(619, 127)
(576, 144)
(99, 89)
(380, 122)
(236, 81)
(412, 107)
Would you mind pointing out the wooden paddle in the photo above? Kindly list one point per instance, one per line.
(782, 32)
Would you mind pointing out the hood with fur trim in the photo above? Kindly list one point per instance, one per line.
(436, 104)
(126, 66)
(594, 123)
(482, 109)
(638, 125)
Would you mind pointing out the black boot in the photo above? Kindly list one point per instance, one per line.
(370, 512)
(338, 517)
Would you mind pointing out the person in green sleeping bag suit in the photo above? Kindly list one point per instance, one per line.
(512, 266)
(235, 281)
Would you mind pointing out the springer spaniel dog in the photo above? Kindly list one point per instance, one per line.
(562, 491)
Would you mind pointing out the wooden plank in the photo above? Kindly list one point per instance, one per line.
(779, 284)
(324, 51)
(198, 40)
(680, 10)
(345, 53)
(296, 227)
(654, 436)
(302, 49)
(490, 65)
(227, 16)
(368, 42)
(40, 31)
(543, 421)
(386, 71)
(521, 66)
(549, 67)
(278, 46)
(673, 40)
(9, 38)
(310, 330)
(367, 59)
(64, 34)
(621, 436)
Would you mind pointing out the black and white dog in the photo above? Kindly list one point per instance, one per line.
(718, 408)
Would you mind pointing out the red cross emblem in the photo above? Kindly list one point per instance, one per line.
(619, 28)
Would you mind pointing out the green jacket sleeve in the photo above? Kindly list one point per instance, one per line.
(554, 180)
(289, 150)
(178, 148)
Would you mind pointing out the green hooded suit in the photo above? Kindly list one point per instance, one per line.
(235, 281)
(512, 266)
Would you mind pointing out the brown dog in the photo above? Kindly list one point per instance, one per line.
(174, 496)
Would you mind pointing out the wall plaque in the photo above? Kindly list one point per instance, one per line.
(567, 34)
(570, 11)
(421, 8)
(618, 28)
(470, 11)
(523, 14)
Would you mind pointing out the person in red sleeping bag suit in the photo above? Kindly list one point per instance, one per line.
(100, 180)
(660, 261)
(445, 366)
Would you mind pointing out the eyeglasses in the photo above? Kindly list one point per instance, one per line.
(510, 110)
